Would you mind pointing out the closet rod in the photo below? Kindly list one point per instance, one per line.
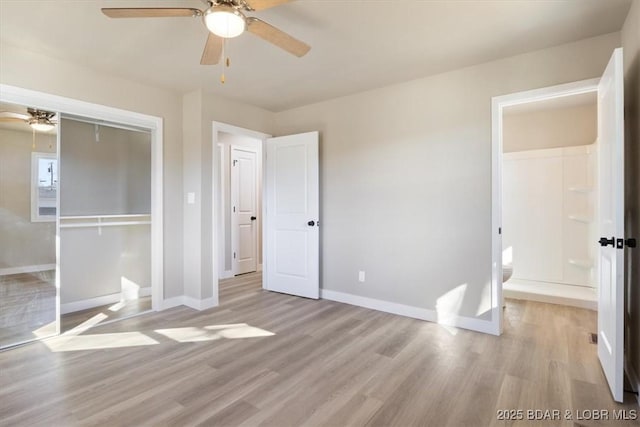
(104, 224)
(104, 216)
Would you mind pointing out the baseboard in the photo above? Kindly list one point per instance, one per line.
(172, 302)
(72, 307)
(476, 325)
(226, 274)
(200, 304)
(633, 378)
(27, 269)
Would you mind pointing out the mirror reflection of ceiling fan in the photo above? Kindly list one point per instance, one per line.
(39, 120)
(224, 19)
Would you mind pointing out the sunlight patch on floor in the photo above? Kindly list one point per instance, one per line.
(98, 341)
(448, 306)
(214, 332)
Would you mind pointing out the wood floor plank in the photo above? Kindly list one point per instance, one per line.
(264, 358)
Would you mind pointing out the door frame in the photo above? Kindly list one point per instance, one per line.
(234, 235)
(217, 217)
(498, 103)
(63, 105)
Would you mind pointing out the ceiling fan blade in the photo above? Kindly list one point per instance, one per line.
(278, 37)
(10, 116)
(212, 50)
(150, 12)
(265, 4)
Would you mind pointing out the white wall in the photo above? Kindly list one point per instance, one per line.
(406, 176)
(24, 243)
(34, 71)
(550, 128)
(548, 213)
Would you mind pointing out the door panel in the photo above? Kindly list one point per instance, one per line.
(611, 223)
(292, 214)
(244, 234)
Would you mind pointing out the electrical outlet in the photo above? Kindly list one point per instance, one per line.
(360, 276)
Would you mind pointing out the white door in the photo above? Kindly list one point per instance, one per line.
(611, 223)
(244, 226)
(291, 255)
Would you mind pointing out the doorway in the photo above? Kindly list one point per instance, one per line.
(240, 208)
(289, 168)
(549, 191)
(609, 211)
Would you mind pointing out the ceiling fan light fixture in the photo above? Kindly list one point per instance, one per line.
(225, 21)
(41, 124)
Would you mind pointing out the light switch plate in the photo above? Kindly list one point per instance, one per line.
(191, 198)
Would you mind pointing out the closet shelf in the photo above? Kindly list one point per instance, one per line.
(99, 221)
(104, 216)
(581, 218)
(582, 263)
(580, 189)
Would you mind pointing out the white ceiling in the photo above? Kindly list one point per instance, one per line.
(356, 44)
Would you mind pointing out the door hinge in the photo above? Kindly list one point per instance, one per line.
(234, 162)
(499, 230)
(234, 208)
(234, 255)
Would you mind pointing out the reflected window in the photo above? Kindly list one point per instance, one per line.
(44, 187)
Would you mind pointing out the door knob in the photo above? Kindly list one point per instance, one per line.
(311, 223)
(605, 242)
(253, 218)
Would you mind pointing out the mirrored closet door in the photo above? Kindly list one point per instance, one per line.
(28, 213)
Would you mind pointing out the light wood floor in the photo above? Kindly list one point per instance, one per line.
(264, 358)
(105, 313)
(27, 304)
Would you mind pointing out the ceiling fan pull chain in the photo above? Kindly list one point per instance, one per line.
(224, 55)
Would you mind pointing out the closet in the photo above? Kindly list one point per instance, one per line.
(105, 214)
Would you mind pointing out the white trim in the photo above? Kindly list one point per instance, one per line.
(226, 274)
(216, 217)
(200, 304)
(16, 95)
(72, 307)
(172, 302)
(498, 103)
(463, 322)
(26, 269)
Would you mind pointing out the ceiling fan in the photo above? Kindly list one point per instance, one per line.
(224, 19)
(39, 120)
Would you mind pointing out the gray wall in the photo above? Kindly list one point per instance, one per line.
(22, 242)
(552, 128)
(24, 69)
(631, 45)
(108, 176)
(406, 176)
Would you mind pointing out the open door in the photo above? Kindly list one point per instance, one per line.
(291, 252)
(611, 223)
